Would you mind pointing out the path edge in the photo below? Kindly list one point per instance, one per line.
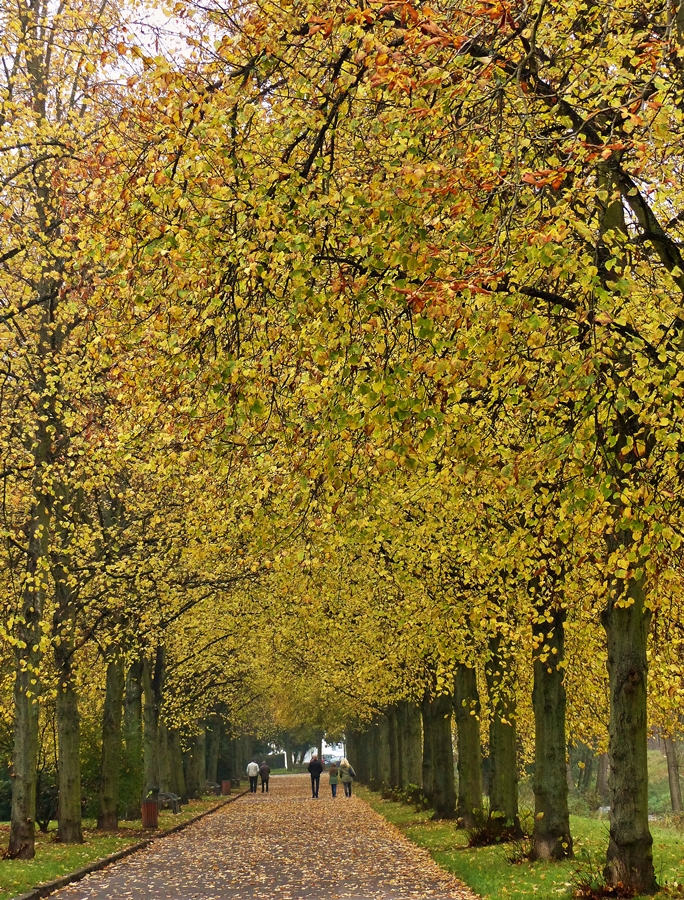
(43, 890)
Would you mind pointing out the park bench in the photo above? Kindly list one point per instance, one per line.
(167, 800)
(212, 787)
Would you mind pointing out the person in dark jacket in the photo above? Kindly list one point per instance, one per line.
(265, 772)
(315, 769)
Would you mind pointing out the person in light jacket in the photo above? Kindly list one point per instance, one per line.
(347, 775)
(253, 772)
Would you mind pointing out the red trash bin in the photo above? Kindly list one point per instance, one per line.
(225, 787)
(150, 814)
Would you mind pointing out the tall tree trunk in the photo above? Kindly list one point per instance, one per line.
(467, 712)
(150, 735)
(394, 776)
(443, 784)
(108, 817)
(383, 756)
(673, 774)
(69, 829)
(27, 684)
(428, 756)
(176, 760)
(213, 745)
(412, 757)
(165, 763)
(195, 764)
(503, 763)
(132, 773)
(602, 788)
(630, 854)
(551, 838)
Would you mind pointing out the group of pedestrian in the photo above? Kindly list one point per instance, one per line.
(254, 771)
(343, 773)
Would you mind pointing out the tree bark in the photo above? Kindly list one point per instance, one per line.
(394, 772)
(551, 838)
(176, 761)
(132, 774)
(673, 774)
(503, 763)
(383, 754)
(412, 756)
(195, 764)
(165, 771)
(467, 712)
(150, 732)
(213, 745)
(428, 755)
(602, 776)
(630, 854)
(443, 783)
(26, 682)
(108, 817)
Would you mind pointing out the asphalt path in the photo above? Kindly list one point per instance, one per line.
(283, 845)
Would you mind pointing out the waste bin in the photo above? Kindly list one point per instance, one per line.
(225, 787)
(150, 814)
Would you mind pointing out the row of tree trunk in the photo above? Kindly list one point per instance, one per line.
(391, 754)
(141, 755)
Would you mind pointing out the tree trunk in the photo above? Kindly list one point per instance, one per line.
(467, 712)
(24, 764)
(673, 774)
(428, 756)
(132, 774)
(165, 771)
(176, 760)
(26, 684)
(551, 838)
(150, 734)
(412, 757)
(108, 817)
(394, 776)
(503, 763)
(213, 745)
(383, 755)
(602, 776)
(443, 785)
(68, 745)
(630, 855)
(195, 765)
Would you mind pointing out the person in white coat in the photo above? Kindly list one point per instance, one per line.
(253, 772)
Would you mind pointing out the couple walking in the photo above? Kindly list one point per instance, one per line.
(254, 770)
(344, 773)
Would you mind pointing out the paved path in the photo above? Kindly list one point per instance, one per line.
(281, 846)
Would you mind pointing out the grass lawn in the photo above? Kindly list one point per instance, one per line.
(53, 859)
(489, 873)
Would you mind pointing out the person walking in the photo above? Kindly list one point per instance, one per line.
(347, 775)
(315, 769)
(265, 772)
(334, 779)
(253, 773)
